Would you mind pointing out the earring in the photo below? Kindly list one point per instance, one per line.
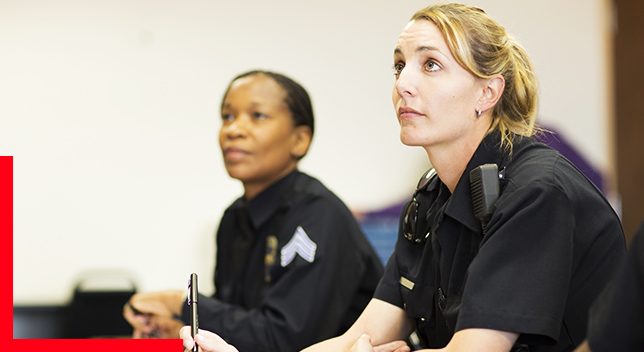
(478, 113)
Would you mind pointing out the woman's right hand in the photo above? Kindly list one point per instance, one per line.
(206, 340)
(142, 323)
(147, 311)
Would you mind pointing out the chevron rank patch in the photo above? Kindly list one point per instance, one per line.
(300, 244)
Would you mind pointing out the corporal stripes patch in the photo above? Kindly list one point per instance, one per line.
(300, 244)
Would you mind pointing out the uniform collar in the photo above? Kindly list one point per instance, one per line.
(264, 205)
(460, 206)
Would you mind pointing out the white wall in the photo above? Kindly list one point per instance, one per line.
(110, 109)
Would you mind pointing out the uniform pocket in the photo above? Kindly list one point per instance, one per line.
(418, 301)
(421, 302)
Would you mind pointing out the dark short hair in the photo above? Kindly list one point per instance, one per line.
(297, 99)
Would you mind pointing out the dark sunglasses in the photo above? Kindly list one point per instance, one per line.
(410, 219)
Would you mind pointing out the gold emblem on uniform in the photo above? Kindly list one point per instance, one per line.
(269, 257)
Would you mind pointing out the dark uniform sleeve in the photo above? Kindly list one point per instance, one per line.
(388, 289)
(617, 317)
(519, 280)
(308, 300)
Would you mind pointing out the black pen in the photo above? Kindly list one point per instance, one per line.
(192, 302)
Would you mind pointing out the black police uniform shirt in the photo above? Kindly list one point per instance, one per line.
(309, 272)
(617, 316)
(550, 247)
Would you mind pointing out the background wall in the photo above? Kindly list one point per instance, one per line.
(629, 124)
(110, 109)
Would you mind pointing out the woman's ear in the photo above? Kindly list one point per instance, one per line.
(492, 92)
(302, 141)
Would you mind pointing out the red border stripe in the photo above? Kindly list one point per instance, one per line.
(6, 313)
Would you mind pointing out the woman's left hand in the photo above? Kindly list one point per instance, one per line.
(396, 346)
(363, 344)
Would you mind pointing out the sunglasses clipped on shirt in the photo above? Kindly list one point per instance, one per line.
(410, 220)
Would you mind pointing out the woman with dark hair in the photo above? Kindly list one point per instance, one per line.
(293, 266)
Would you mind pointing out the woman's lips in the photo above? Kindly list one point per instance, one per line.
(234, 154)
(408, 113)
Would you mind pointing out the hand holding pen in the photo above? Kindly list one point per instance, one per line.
(208, 341)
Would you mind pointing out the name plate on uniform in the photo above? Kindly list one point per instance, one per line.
(407, 283)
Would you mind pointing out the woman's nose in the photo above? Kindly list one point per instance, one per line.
(405, 83)
(238, 127)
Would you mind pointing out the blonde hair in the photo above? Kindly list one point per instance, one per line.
(482, 47)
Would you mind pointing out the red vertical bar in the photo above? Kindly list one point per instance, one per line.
(6, 249)
(6, 293)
